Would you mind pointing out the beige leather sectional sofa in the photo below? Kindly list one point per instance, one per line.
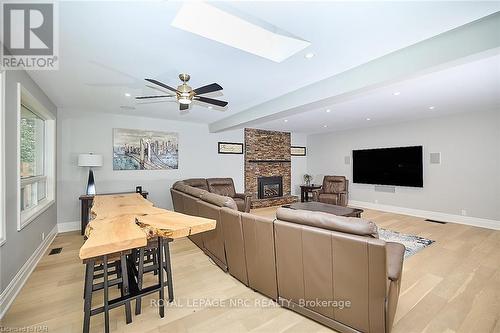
(331, 269)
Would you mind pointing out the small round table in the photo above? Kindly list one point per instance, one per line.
(305, 190)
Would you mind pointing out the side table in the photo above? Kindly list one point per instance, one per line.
(305, 190)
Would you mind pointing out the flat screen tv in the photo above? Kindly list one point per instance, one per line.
(399, 166)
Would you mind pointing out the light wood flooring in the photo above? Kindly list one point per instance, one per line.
(451, 286)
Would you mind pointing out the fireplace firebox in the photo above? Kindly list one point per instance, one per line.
(270, 187)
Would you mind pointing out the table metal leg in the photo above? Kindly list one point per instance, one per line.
(106, 296)
(125, 288)
(168, 270)
(140, 272)
(89, 278)
(160, 277)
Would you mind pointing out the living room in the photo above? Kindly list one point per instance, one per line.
(290, 166)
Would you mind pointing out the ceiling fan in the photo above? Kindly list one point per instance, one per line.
(185, 94)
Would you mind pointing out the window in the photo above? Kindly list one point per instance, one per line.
(36, 134)
(33, 179)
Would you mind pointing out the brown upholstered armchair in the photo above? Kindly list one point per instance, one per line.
(334, 191)
(225, 186)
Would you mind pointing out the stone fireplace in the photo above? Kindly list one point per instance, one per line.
(270, 187)
(268, 167)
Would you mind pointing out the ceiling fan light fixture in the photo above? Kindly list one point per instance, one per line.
(185, 94)
(185, 98)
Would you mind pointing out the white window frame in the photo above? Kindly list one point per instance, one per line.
(3, 231)
(26, 217)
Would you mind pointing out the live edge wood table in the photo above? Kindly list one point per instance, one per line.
(122, 224)
(86, 202)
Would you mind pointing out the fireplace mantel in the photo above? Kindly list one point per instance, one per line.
(268, 161)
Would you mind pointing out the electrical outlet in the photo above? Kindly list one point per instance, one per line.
(464, 212)
(376, 201)
(43, 236)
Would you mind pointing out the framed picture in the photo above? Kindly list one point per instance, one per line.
(145, 150)
(297, 151)
(230, 148)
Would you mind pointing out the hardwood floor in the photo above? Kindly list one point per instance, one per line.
(451, 286)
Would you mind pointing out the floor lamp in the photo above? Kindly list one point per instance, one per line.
(90, 160)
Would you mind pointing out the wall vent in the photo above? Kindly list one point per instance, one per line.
(56, 250)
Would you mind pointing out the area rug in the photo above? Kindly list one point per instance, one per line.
(412, 243)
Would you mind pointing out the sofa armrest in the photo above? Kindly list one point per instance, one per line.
(247, 197)
(395, 255)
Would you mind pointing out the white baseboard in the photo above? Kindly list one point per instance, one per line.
(15, 286)
(468, 220)
(68, 226)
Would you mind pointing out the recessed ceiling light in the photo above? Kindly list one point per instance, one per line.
(432, 107)
(325, 126)
(127, 95)
(328, 110)
(396, 93)
(286, 120)
(233, 29)
(210, 107)
(368, 119)
(309, 55)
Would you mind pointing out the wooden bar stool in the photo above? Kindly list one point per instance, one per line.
(122, 280)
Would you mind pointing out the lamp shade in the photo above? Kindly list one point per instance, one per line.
(89, 160)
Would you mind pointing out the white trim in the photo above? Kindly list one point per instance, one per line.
(30, 214)
(25, 218)
(3, 231)
(17, 283)
(68, 226)
(445, 217)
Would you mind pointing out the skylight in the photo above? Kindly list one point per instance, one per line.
(213, 23)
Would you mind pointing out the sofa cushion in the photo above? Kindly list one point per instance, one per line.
(328, 198)
(195, 192)
(200, 183)
(219, 200)
(334, 184)
(222, 186)
(178, 185)
(349, 225)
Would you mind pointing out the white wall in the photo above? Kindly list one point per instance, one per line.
(468, 177)
(299, 163)
(82, 131)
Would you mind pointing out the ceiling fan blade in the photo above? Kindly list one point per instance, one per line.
(207, 89)
(161, 84)
(211, 101)
(183, 106)
(157, 96)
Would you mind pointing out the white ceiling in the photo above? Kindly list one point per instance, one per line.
(108, 48)
(474, 86)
